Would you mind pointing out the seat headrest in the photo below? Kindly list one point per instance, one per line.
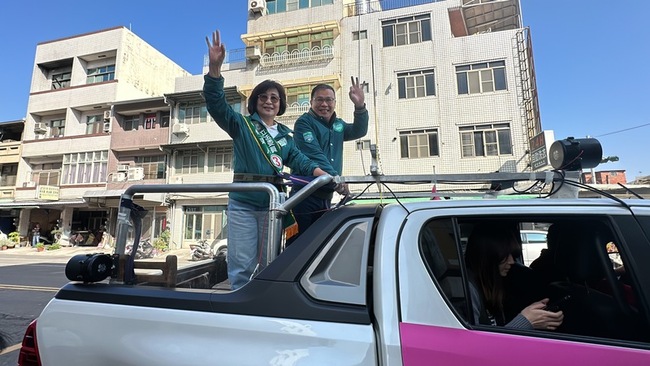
(581, 253)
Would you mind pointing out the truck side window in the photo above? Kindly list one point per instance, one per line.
(438, 246)
(585, 269)
(339, 273)
(587, 258)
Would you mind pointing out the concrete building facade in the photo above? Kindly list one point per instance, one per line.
(68, 149)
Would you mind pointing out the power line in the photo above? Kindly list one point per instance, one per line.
(627, 129)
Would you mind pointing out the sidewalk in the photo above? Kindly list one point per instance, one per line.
(68, 252)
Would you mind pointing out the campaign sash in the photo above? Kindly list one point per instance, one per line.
(270, 148)
(272, 152)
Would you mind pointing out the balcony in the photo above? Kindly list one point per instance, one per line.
(9, 151)
(484, 16)
(292, 113)
(7, 187)
(297, 57)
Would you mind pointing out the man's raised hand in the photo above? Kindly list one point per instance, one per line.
(356, 93)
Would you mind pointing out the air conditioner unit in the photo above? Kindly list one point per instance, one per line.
(40, 127)
(180, 129)
(29, 184)
(119, 177)
(107, 115)
(257, 6)
(136, 173)
(123, 167)
(107, 127)
(253, 52)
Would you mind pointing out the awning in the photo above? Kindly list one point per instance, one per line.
(115, 194)
(104, 193)
(38, 204)
(251, 39)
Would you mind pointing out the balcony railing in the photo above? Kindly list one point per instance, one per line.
(9, 151)
(293, 111)
(285, 58)
(235, 55)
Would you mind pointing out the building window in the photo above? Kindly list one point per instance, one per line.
(486, 140)
(293, 5)
(57, 127)
(416, 84)
(299, 42)
(153, 166)
(362, 145)
(407, 30)
(85, 167)
(8, 173)
(299, 95)
(484, 77)
(164, 119)
(193, 113)
(281, 6)
(131, 123)
(94, 124)
(61, 80)
(46, 174)
(190, 161)
(359, 35)
(419, 143)
(99, 74)
(149, 121)
(219, 159)
(204, 222)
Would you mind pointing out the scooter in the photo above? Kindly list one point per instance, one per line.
(145, 249)
(200, 251)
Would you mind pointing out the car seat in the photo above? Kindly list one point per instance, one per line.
(582, 260)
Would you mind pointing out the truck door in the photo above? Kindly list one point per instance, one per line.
(436, 316)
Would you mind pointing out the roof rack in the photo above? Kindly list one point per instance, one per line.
(500, 183)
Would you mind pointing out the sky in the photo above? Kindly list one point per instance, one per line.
(590, 57)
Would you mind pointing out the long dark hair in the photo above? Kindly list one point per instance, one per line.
(262, 88)
(487, 247)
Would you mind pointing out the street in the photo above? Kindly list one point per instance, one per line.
(27, 283)
(28, 280)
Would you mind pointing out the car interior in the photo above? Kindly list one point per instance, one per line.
(599, 296)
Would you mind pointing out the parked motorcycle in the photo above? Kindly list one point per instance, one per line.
(145, 249)
(201, 250)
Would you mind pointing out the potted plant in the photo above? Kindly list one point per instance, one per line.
(40, 247)
(5, 243)
(14, 236)
(54, 246)
(161, 244)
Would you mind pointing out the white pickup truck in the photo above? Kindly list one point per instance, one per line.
(377, 284)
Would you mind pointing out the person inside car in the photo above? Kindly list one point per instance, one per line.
(489, 258)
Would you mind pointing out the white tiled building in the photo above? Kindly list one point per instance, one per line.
(449, 87)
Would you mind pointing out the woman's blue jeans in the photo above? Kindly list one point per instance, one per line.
(247, 236)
